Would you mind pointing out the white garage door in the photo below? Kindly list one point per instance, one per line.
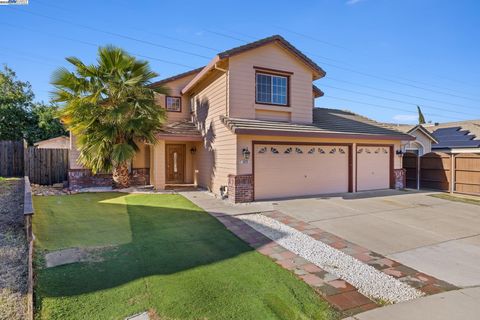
(373, 168)
(298, 170)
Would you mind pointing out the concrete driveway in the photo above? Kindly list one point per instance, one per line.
(435, 236)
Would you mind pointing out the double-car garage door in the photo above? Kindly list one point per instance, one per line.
(290, 170)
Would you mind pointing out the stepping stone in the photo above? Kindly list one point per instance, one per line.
(140, 316)
(67, 256)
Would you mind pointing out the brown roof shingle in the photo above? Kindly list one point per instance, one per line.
(326, 123)
(177, 76)
(180, 128)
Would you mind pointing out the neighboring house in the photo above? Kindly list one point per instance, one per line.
(457, 137)
(424, 140)
(61, 142)
(245, 126)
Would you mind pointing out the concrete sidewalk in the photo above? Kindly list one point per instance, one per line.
(218, 207)
(461, 304)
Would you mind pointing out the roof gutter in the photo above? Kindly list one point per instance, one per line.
(283, 133)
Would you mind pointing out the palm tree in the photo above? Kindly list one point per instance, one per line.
(109, 107)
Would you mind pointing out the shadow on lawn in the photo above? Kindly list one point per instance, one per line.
(165, 240)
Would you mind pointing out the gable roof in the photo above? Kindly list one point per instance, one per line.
(422, 129)
(318, 72)
(278, 39)
(408, 128)
(176, 77)
(326, 123)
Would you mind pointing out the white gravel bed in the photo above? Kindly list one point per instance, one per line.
(368, 280)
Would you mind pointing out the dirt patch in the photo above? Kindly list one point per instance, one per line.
(13, 251)
(73, 255)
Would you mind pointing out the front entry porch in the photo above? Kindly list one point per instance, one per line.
(173, 164)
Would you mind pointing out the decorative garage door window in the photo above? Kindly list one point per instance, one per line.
(305, 150)
(319, 169)
(374, 150)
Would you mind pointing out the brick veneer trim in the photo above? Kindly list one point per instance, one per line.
(423, 282)
(240, 188)
(400, 178)
(83, 178)
(339, 293)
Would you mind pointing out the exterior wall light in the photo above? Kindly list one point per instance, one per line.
(399, 152)
(193, 150)
(246, 153)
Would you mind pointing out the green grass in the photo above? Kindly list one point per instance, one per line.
(169, 257)
(464, 199)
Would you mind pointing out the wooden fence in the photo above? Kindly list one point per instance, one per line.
(42, 166)
(435, 171)
(11, 158)
(441, 171)
(467, 173)
(46, 166)
(411, 166)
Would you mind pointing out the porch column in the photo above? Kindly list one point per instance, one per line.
(157, 165)
(354, 167)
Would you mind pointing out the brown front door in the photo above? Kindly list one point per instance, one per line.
(175, 159)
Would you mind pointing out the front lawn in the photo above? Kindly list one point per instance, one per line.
(159, 253)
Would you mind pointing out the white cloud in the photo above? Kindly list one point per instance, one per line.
(405, 118)
(352, 2)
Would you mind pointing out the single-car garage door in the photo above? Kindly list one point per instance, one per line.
(373, 167)
(296, 170)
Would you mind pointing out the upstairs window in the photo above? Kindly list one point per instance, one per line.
(271, 89)
(173, 104)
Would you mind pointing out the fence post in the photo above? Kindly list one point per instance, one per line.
(452, 173)
(418, 172)
(28, 215)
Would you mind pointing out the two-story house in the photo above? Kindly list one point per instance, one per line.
(245, 126)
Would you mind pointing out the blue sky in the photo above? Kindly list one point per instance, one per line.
(381, 57)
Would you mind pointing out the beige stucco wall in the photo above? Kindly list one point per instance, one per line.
(157, 164)
(140, 161)
(175, 88)
(142, 157)
(242, 84)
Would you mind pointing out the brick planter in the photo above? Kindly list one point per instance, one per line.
(400, 178)
(240, 188)
(83, 178)
(140, 177)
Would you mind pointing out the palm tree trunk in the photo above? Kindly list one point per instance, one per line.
(121, 177)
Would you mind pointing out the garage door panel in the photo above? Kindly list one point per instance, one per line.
(373, 168)
(292, 170)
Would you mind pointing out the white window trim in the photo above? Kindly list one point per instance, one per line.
(271, 89)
